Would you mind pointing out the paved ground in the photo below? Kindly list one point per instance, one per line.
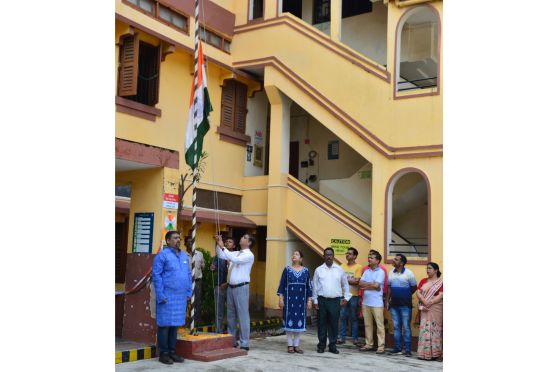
(270, 354)
(122, 345)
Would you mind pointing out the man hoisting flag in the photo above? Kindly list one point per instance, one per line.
(198, 125)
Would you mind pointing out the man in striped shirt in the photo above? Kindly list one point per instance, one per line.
(402, 285)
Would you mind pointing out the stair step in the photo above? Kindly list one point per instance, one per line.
(211, 355)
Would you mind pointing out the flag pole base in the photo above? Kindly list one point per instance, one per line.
(207, 347)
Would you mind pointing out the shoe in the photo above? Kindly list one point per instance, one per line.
(395, 352)
(236, 345)
(408, 354)
(320, 350)
(380, 352)
(176, 358)
(340, 342)
(334, 351)
(245, 348)
(165, 359)
(290, 350)
(298, 350)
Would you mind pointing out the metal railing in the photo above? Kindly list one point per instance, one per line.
(435, 84)
(414, 246)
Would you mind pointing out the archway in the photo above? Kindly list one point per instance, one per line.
(408, 215)
(417, 57)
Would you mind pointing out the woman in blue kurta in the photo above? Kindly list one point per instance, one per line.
(295, 295)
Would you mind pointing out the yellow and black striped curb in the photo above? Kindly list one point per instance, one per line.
(151, 352)
(258, 324)
(265, 323)
(136, 354)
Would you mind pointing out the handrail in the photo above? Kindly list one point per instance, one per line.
(407, 245)
(413, 81)
(334, 209)
(307, 240)
(358, 128)
(417, 86)
(344, 51)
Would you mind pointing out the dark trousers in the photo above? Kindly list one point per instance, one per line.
(328, 321)
(166, 339)
(197, 301)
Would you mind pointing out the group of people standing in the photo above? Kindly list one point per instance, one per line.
(338, 292)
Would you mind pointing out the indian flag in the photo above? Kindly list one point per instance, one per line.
(202, 110)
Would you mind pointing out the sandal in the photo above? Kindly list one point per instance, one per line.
(298, 350)
(366, 348)
(290, 350)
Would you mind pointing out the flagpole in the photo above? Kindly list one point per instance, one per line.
(195, 175)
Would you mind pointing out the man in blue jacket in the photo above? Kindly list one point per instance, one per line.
(172, 280)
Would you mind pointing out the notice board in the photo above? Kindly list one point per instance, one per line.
(143, 232)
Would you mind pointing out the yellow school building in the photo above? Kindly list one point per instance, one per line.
(326, 124)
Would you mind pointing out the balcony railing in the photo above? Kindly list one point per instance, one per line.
(418, 83)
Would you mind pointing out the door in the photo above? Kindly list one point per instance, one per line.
(121, 243)
(293, 159)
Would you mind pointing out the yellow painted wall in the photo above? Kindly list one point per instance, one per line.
(147, 196)
(406, 122)
(254, 199)
(204, 239)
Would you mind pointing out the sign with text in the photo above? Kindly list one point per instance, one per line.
(170, 201)
(143, 232)
(340, 246)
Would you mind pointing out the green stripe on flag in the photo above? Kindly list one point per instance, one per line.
(202, 130)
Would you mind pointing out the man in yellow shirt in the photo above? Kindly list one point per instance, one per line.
(350, 310)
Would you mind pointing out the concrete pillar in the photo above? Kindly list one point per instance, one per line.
(379, 180)
(277, 195)
(148, 186)
(336, 19)
(271, 8)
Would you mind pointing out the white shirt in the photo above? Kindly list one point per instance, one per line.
(372, 297)
(241, 264)
(198, 263)
(330, 282)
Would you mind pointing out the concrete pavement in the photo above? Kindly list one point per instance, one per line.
(270, 354)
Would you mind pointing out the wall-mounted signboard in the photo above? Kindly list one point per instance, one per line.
(143, 232)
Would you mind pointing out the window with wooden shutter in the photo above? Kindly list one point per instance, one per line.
(139, 71)
(227, 104)
(241, 96)
(234, 97)
(128, 72)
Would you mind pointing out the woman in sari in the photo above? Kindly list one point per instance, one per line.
(430, 296)
(295, 295)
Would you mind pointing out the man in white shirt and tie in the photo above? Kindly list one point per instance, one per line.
(331, 290)
(238, 292)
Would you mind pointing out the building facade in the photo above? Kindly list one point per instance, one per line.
(326, 124)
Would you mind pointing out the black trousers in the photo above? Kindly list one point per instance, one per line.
(328, 321)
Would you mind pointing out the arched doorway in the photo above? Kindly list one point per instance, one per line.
(408, 215)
